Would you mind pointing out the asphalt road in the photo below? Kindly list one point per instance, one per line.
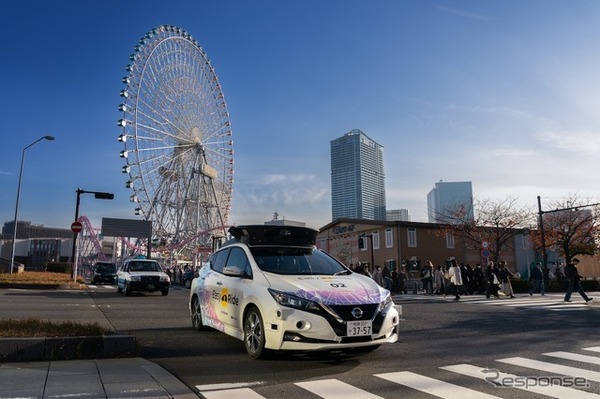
(436, 332)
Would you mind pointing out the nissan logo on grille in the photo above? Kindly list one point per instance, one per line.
(357, 313)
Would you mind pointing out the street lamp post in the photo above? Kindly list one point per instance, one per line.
(97, 195)
(12, 250)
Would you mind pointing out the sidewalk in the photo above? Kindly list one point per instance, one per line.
(94, 378)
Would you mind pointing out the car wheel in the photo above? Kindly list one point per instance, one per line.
(254, 334)
(197, 315)
(165, 291)
(187, 283)
(127, 289)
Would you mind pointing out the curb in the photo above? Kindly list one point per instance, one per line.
(67, 348)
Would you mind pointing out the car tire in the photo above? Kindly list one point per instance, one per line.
(165, 291)
(187, 283)
(127, 290)
(254, 333)
(196, 315)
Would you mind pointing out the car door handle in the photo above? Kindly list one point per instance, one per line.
(219, 283)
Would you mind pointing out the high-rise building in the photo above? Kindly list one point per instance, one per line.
(447, 200)
(357, 178)
(398, 215)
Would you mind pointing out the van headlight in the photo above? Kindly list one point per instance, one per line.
(293, 301)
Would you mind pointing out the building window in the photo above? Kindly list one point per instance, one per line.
(375, 236)
(389, 238)
(363, 243)
(322, 245)
(412, 237)
(449, 240)
(525, 242)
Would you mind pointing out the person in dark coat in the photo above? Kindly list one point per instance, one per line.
(572, 275)
(493, 282)
(536, 279)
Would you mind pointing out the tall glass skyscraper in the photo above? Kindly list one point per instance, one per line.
(447, 198)
(357, 178)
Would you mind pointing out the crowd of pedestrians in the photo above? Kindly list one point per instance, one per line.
(494, 279)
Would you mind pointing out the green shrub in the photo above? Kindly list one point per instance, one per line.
(520, 286)
(590, 285)
(59, 267)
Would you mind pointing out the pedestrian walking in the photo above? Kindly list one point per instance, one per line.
(536, 280)
(427, 277)
(387, 278)
(572, 274)
(455, 279)
(402, 281)
(505, 275)
(378, 275)
(440, 282)
(493, 282)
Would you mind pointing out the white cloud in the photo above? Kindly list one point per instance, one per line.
(572, 141)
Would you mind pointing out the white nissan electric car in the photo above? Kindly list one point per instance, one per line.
(270, 287)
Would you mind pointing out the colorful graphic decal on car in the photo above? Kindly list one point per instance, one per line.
(342, 296)
(209, 314)
(228, 299)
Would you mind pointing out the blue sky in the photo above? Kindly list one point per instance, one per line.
(500, 93)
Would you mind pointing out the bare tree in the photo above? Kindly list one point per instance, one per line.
(572, 227)
(495, 223)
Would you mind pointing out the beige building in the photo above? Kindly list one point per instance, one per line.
(397, 243)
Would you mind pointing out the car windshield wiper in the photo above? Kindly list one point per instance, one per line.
(345, 271)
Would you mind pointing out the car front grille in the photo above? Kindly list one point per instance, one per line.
(345, 313)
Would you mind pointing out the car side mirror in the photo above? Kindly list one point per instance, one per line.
(233, 271)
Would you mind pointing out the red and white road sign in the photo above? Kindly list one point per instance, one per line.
(76, 227)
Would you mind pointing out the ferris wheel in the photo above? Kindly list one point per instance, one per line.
(177, 139)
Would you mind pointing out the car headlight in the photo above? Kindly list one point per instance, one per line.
(135, 278)
(293, 301)
(386, 301)
(165, 278)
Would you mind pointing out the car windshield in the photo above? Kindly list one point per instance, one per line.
(106, 268)
(292, 260)
(144, 267)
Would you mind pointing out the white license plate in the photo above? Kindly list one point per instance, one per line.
(150, 286)
(359, 328)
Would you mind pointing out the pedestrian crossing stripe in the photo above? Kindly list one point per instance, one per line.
(575, 356)
(592, 349)
(235, 393)
(548, 302)
(552, 368)
(336, 389)
(434, 387)
(526, 383)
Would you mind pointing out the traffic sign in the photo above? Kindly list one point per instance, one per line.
(76, 227)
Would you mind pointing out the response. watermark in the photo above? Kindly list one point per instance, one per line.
(501, 380)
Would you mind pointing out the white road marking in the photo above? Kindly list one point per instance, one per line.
(434, 387)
